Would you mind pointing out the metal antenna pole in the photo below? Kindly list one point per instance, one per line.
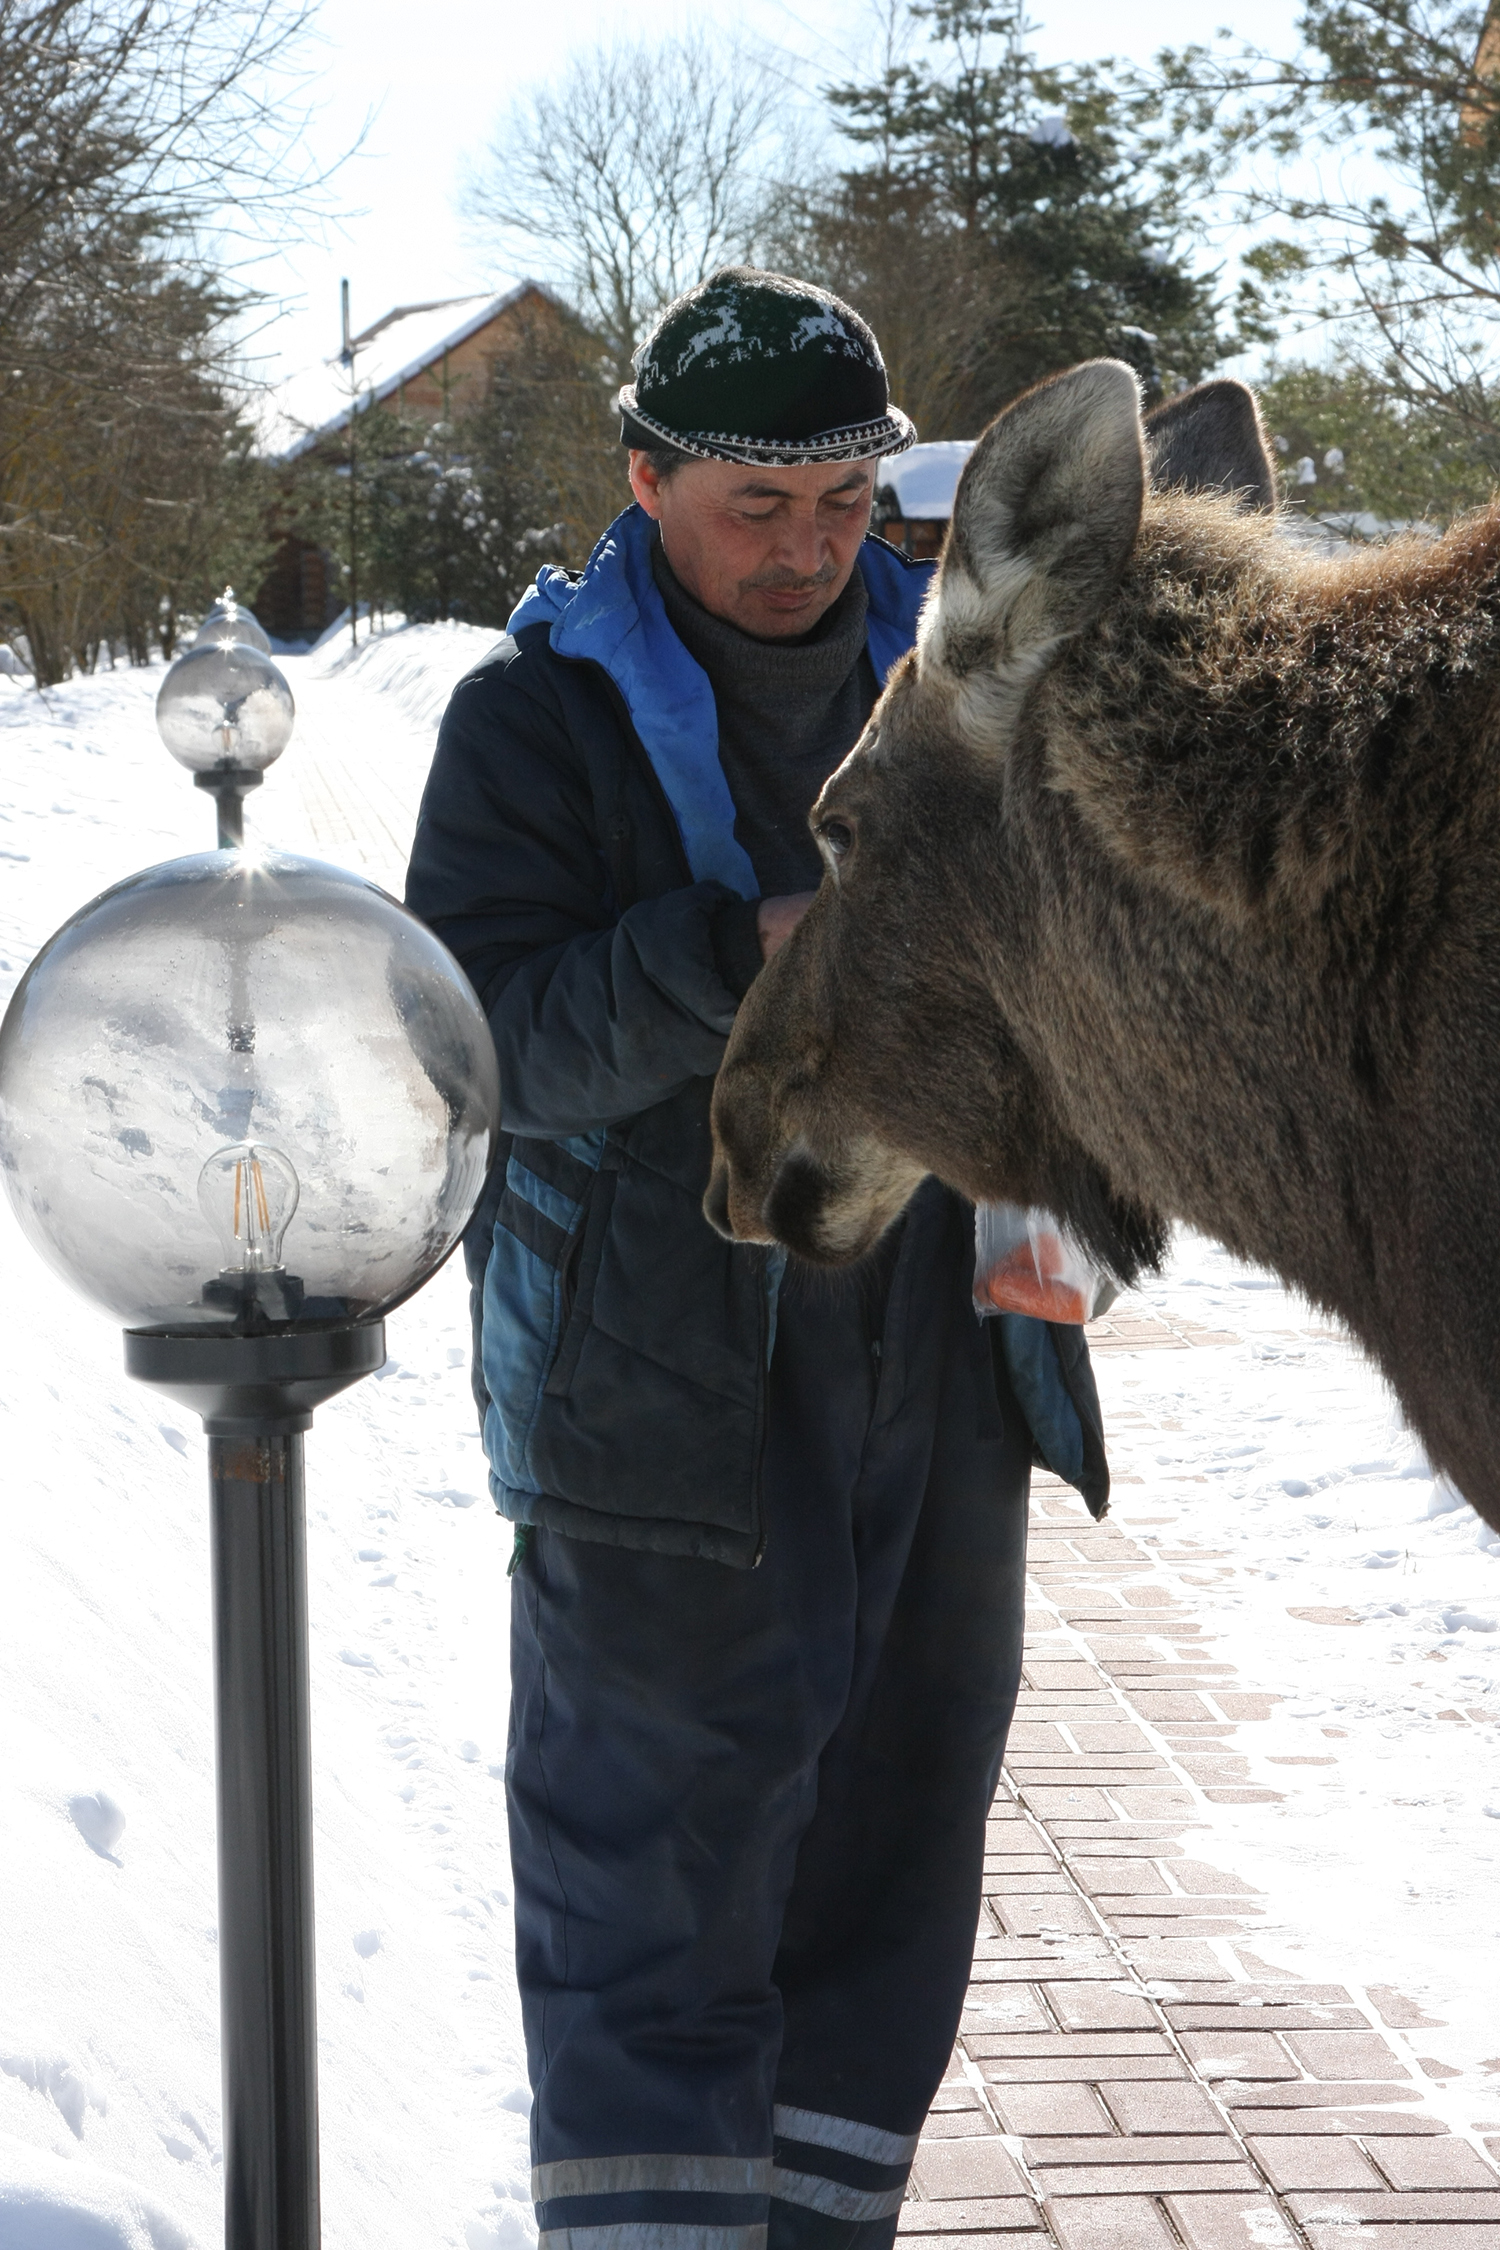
(347, 356)
(264, 1747)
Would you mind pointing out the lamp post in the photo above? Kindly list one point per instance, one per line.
(226, 713)
(229, 620)
(247, 1106)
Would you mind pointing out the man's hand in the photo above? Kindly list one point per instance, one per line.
(776, 918)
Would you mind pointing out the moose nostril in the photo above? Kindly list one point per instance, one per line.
(716, 1202)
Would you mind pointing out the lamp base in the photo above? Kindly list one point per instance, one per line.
(243, 1386)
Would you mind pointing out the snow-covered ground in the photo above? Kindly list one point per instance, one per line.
(109, 2094)
(1285, 1459)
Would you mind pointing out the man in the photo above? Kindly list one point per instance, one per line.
(771, 1525)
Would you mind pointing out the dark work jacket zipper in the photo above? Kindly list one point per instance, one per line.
(614, 841)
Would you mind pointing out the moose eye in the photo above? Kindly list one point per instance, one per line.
(838, 836)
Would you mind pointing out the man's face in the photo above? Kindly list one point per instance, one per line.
(768, 549)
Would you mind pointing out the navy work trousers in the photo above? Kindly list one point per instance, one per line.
(747, 1806)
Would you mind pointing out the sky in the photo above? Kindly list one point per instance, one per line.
(426, 87)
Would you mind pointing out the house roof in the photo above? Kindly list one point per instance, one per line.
(393, 350)
(924, 478)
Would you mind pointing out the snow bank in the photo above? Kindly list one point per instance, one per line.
(49, 2204)
(415, 668)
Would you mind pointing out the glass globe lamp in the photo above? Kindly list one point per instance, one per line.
(225, 705)
(226, 713)
(245, 1095)
(229, 620)
(247, 1105)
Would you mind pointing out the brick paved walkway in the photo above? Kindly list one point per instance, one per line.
(1131, 2074)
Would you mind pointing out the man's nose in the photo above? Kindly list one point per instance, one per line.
(802, 547)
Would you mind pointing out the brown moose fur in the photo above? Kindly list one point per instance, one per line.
(1165, 884)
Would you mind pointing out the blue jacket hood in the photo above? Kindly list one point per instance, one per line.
(613, 615)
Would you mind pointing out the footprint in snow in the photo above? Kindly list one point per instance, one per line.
(99, 1821)
(366, 1943)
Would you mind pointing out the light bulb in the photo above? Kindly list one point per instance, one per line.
(248, 1194)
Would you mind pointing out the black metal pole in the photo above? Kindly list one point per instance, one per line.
(229, 786)
(256, 1395)
(264, 1742)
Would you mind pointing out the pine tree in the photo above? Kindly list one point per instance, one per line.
(1007, 220)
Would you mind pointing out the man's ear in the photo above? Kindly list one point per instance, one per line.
(1044, 522)
(1212, 439)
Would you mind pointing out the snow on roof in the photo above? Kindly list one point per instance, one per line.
(392, 351)
(924, 479)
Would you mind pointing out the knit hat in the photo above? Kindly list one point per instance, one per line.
(752, 367)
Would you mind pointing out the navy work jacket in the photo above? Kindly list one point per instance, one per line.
(576, 850)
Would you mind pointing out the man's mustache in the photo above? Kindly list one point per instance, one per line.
(789, 582)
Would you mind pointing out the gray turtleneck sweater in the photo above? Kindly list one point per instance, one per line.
(789, 712)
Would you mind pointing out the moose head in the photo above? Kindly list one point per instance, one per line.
(883, 1042)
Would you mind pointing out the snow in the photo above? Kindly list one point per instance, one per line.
(1276, 1479)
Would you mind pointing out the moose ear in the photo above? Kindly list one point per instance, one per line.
(1212, 440)
(1044, 520)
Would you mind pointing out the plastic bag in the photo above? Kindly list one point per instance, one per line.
(1028, 1262)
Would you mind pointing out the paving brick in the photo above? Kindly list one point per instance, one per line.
(1305, 2161)
(1446, 2163)
(1029, 1915)
(1218, 1796)
(1134, 1878)
(1126, 2223)
(1038, 1879)
(1015, 2008)
(984, 2046)
(1099, 2007)
(1106, 2071)
(1364, 2124)
(1050, 2109)
(997, 2218)
(957, 2124)
(1135, 2149)
(1197, 1876)
(1304, 2093)
(952, 2170)
(1174, 1909)
(1239, 2055)
(1344, 2054)
(1145, 1845)
(1453, 2207)
(1142, 2179)
(1168, 1703)
(1230, 2222)
(1153, 1804)
(1223, 2016)
(1404, 2235)
(1162, 2108)
(1077, 1804)
(956, 2093)
(1172, 1959)
(1243, 1706)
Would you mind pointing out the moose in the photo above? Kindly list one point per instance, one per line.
(1164, 884)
